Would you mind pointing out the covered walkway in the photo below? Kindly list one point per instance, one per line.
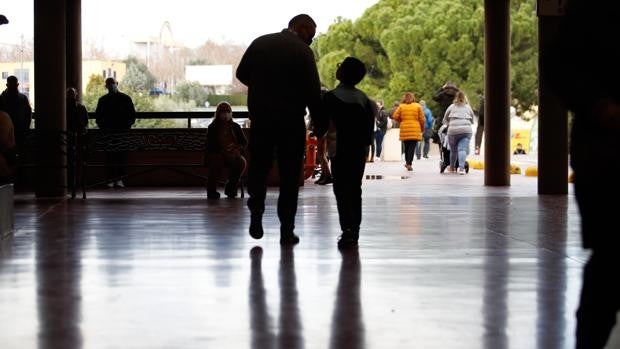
(443, 262)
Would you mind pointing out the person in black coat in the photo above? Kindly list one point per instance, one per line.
(225, 147)
(444, 97)
(115, 112)
(585, 75)
(16, 104)
(282, 78)
(77, 124)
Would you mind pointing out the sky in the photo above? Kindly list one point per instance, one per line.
(112, 24)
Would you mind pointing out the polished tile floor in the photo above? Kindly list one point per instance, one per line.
(443, 262)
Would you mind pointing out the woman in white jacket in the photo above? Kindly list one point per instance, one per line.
(459, 117)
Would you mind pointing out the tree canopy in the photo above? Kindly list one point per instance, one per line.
(418, 45)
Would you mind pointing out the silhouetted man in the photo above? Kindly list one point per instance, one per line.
(585, 75)
(16, 104)
(77, 124)
(282, 79)
(115, 112)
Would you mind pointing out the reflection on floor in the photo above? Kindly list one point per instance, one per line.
(438, 267)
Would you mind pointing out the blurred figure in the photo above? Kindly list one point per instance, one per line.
(480, 127)
(280, 72)
(225, 147)
(77, 124)
(7, 148)
(585, 75)
(427, 134)
(411, 118)
(444, 98)
(381, 123)
(16, 104)
(519, 150)
(322, 154)
(458, 118)
(353, 115)
(115, 112)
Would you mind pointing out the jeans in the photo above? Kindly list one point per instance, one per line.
(459, 148)
(379, 142)
(418, 147)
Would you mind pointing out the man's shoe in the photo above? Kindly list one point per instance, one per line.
(256, 225)
(348, 239)
(119, 184)
(213, 195)
(110, 185)
(289, 239)
(320, 180)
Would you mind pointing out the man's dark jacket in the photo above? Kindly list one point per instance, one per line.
(115, 111)
(280, 72)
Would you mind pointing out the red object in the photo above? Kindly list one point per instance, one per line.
(310, 163)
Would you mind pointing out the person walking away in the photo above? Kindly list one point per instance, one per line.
(282, 78)
(427, 134)
(115, 112)
(381, 123)
(411, 118)
(458, 118)
(585, 75)
(225, 146)
(444, 98)
(353, 115)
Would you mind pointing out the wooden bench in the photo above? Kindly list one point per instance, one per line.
(7, 219)
(180, 151)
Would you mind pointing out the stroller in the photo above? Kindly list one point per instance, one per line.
(444, 151)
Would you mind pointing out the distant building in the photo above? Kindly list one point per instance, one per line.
(218, 79)
(25, 73)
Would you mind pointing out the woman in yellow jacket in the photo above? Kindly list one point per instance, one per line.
(411, 118)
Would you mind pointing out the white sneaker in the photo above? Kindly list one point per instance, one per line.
(461, 171)
(110, 185)
(119, 184)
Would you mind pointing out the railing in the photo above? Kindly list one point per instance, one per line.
(182, 115)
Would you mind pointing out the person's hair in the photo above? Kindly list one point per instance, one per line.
(11, 78)
(422, 102)
(408, 97)
(351, 71)
(301, 19)
(221, 105)
(460, 98)
(110, 80)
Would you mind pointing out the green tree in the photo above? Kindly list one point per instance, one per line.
(191, 91)
(94, 89)
(138, 77)
(418, 45)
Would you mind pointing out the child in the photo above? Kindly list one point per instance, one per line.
(353, 115)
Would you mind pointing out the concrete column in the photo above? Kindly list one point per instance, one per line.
(74, 45)
(497, 92)
(552, 121)
(50, 107)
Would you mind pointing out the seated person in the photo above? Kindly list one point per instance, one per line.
(519, 150)
(8, 154)
(225, 145)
